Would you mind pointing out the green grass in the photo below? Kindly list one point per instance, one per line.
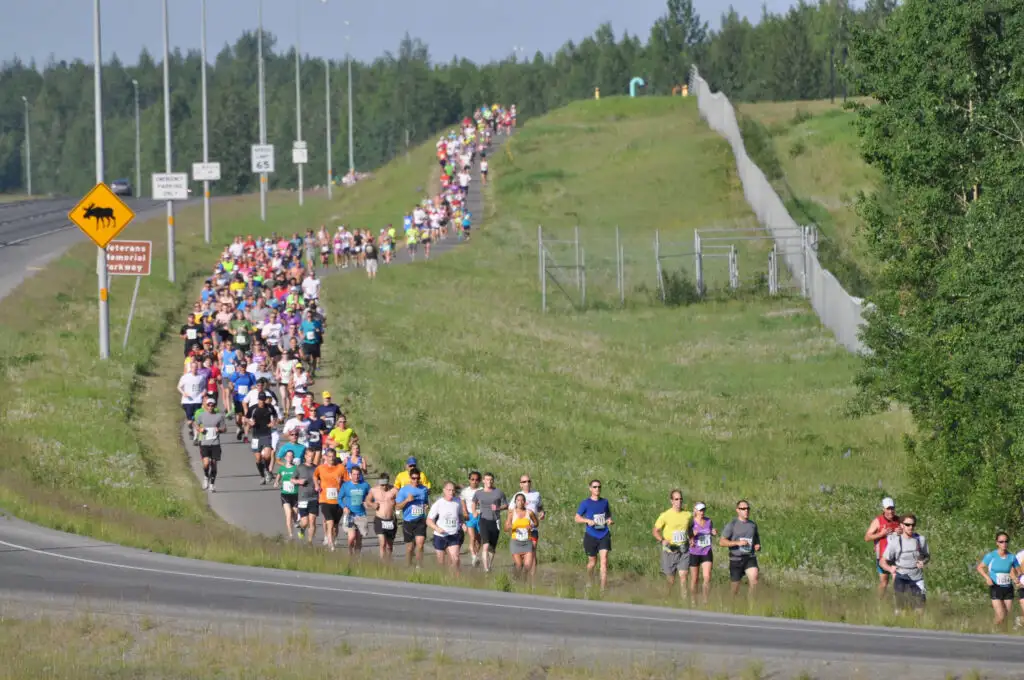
(816, 145)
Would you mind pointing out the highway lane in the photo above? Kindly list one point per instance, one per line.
(49, 563)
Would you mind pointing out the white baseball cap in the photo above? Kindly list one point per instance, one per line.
(699, 506)
(888, 503)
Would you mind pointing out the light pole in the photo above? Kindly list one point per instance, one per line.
(167, 146)
(138, 143)
(206, 131)
(330, 170)
(348, 58)
(28, 148)
(263, 114)
(101, 253)
(298, 87)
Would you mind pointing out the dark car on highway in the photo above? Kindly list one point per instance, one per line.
(121, 187)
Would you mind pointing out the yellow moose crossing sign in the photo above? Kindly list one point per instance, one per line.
(101, 215)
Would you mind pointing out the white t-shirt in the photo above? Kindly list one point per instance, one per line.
(419, 216)
(446, 515)
(533, 501)
(467, 495)
(483, 166)
(464, 179)
(301, 425)
(272, 333)
(236, 249)
(311, 288)
(193, 386)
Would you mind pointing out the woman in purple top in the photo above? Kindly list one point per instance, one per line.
(701, 557)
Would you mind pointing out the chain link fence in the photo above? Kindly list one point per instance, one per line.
(839, 311)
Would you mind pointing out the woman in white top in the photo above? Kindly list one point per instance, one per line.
(473, 523)
(284, 378)
(445, 519)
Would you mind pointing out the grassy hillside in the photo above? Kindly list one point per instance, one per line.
(451, 360)
(815, 146)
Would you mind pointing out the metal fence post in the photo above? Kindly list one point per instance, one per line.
(734, 269)
(805, 287)
(773, 270)
(657, 263)
(541, 272)
(699, 262)
(583, 279)
(577, 236)
(618, 262)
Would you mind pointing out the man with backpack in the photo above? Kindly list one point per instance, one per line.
(905, 557)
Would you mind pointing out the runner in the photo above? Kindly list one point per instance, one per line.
(445, 520)
(702, 530)
(329, 476)
(342, 434)
(520, 523)
(243, 381)
(307, 502)
(742, 539)
(490, 503)
(1000, 568)
(382, 502)
(412, 501)
(354, 493)
(328, 411)
(210, 425)
(596, 513)
(672, 530)
(371, 253)
(262, 419)
(192, 386)
(535, 505)
(402, 478)
(289, 492)
(312, 337)
(473, 523)
(905, 557)
(881, 528)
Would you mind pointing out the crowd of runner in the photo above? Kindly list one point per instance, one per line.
(252, 345)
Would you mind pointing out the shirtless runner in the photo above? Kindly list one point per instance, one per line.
(382, 500)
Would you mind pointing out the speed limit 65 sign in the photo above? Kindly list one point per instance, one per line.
(263, 158)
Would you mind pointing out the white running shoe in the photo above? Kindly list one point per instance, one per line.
(213, 489)
(206, 484)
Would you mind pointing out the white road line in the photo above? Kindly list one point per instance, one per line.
(938, 637)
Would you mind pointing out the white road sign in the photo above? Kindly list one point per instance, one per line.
(205, 172)
(300, 156)
(263, 158)
(170, 186)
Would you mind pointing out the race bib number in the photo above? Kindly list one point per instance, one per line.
(310, 336)
(522, 534)
(599, 521)
(747, 546)
(387, 524)
(415, 511)
(678, 537)
(229, 369)
(314, 436)
(288, 487)
(303, 505)
(210, 433)
(191, 333)
(449, 523)
(332, 494)
(241, 339)
(256, 444)
(1003, 580)
(704, 541)
(243, 390)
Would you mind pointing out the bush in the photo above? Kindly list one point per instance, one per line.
(680, 290)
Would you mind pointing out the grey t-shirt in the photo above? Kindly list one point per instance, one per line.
(903, 553)
(259, 315)
(484, 499)
(306, 491)
(212, 422)
(736, 530)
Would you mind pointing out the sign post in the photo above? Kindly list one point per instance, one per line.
(101, 216)
(126, 258)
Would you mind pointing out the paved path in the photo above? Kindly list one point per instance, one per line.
(240, 499)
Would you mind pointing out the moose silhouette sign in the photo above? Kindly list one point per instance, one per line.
(101, 215)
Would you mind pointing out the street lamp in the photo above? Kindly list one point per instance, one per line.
(298, 88)
(101, 253)
(167, 147)
(28, 148)
(138, 143)
(206, 131)
(263, 113)
(348, 58)
(327, 97)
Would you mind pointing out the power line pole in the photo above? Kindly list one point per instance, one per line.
(167, 146)
(263, 115)
(101, 253)
(207, 229)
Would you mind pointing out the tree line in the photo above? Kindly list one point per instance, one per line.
(400, 96)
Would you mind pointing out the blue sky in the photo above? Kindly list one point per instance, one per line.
(38, 29)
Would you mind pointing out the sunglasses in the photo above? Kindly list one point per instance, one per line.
(524, 481)
(745, 507)
(1000, 542)
(909, 524)
(595, 486)
(677, 498)
(416, 478)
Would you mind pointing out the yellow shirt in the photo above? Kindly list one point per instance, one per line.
(402, 478)
(341, 437)
(672, 526)
(236, 286)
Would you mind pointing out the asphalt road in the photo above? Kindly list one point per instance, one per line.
(240, 499)
(44, 563)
